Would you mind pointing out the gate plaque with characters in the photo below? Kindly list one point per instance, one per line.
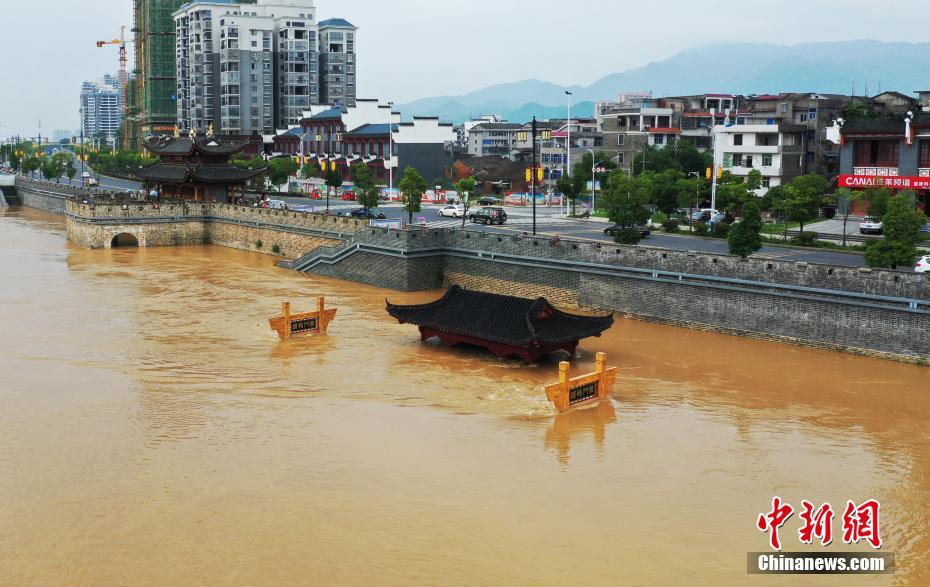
(288, 325)
(578, 391)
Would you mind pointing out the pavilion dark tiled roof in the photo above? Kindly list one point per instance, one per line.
(168, 173)
(186, 146)
(512, 321)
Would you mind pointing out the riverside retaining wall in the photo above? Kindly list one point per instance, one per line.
(877, 313)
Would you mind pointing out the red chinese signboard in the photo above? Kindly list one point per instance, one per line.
(895, 182)
(860, 523)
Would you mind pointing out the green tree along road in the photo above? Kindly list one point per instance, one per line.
(680, 156)
(744, 238)
(333, 181)
(413, 186)
(878, 199)
(280, 169)
(465, 187)
(566, 186)
(365, 189)
(625, 202)
(902, 233)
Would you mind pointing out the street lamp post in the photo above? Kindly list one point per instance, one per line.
(390, 149)
(81, 112)
(713, 171)
(568, 139)
(534, 176)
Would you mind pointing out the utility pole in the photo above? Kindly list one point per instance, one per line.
(391, 149)
(568, 140)
(533, 195)
(81, 111)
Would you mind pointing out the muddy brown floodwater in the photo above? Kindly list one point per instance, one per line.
(154, 431)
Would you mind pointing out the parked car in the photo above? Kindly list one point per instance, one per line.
(85, 174)
(349, 196)
(871, 226)
(489, 215)
(91, 182)
(926, 228)
(613, 230)
(923, 265)
(489, 201)
(454, 211)
(372, 214)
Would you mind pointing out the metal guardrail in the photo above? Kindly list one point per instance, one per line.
(826, 236)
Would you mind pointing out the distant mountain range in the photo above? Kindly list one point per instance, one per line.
(734, 68)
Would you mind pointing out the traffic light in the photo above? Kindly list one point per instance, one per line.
(529, 175)
(539, 174)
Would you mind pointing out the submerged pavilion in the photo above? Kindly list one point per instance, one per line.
(505, 325)
(194, 168)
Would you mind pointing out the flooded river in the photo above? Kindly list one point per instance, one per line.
(154, 431)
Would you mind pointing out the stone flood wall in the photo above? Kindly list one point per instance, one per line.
(851, 279)
(583, 275)
(808, 322)
(275, 232)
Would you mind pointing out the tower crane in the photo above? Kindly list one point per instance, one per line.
(121, 41)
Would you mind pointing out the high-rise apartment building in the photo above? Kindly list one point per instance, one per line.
(101, 108)
(152, 105)
(250, 68)
(337, 62)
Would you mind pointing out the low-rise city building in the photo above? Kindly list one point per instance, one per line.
(774, 149)
(886, 152)
(372, 133)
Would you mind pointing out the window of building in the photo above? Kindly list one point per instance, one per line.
(659, 140)
(737, 160)
(749, 161)
(875, 153)
(924, 154)
(738, 140)
(766, 161)
(766, 182)
(620, 157)
(620, 140)
(812, 114)
(812, 135)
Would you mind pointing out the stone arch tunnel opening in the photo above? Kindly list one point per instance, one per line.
(124, 240)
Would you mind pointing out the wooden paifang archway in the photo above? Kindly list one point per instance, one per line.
(124, 239)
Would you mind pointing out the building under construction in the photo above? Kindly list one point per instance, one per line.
(151, 93)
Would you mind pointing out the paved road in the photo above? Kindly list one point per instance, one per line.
(550, 223)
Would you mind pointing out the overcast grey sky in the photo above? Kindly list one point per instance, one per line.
(411, 49)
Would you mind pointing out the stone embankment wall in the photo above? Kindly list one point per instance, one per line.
(278, 232)
(877, 313)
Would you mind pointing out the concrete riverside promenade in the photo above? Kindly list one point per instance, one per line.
(861, 311)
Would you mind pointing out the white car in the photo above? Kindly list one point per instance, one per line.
(923, 265)
(871, 226)
(452, 210)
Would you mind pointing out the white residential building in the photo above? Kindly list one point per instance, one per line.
(101, 108)
(251, 68)
(774, 149)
